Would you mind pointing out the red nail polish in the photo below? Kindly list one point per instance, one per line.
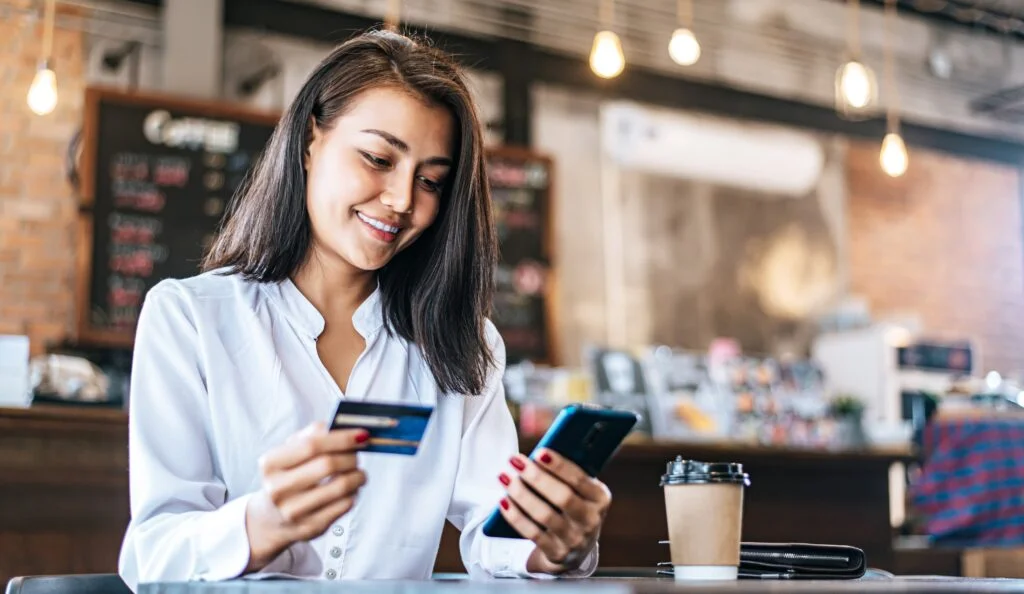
(362, 437)
(504, 479)
(504, 504)
(545, 458)
(517, 464)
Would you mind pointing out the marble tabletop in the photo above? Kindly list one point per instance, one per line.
(589, 586)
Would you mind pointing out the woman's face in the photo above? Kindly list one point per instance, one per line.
(374, 179)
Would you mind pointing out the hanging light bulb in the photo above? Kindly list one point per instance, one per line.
(893, 157)
(42, 95)
(394, 15)
(606, 57)
(856, 89)
(855, 85)
(683, 48)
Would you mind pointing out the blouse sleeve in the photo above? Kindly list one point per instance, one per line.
(184, 525)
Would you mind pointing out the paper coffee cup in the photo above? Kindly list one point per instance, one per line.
(704, 509)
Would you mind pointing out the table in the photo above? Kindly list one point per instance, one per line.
(592, 586)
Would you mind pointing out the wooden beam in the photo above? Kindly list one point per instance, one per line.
(517, 103)
(651, 87)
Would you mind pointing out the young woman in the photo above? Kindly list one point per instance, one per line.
(354, 264)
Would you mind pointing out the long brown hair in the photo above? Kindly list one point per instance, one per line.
(437, 292)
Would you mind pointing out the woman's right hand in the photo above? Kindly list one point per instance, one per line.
(309, 482)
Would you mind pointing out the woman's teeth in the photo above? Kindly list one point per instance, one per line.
(377, 224)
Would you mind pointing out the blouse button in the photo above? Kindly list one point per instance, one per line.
(335, 552)
(331, 574)
(338, 530)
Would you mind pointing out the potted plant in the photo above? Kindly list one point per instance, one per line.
(848, 412)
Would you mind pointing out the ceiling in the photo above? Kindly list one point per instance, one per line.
(996, 16)
(1014, 7)
(785, 48)
(778, 47)
(1001, 16)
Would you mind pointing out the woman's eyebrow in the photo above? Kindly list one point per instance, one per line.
(401, 146)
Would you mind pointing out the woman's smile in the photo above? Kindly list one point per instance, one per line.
(379, 229)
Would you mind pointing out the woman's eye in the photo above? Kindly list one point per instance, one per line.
(376, 161)
(431, 185)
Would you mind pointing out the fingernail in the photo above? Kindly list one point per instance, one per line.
(504, 479)
(504, 504)
(517, 464)
(545, 458)
(362, 437)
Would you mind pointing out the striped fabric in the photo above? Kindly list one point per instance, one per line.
(971, 488)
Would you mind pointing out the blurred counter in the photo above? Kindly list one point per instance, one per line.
(64, 495)
(63, 489)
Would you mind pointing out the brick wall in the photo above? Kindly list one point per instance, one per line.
(37, 206)
(943, 242)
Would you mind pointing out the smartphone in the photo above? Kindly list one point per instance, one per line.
(586, 434)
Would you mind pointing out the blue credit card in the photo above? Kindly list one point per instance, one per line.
(393, 428)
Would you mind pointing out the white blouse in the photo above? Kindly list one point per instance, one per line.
(225, 369)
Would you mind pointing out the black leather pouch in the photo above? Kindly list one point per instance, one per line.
(800, 561)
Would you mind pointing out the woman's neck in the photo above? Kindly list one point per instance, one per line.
(333, 286)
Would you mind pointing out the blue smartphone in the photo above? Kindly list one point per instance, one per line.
(586, 434)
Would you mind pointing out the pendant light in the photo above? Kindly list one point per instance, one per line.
(683, 48)
(394, 15)
(42, 95)
(606, 57)
(856, 89)
(893, 156)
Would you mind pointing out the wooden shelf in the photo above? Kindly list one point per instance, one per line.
(643, 448)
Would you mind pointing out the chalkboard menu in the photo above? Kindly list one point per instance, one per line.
(157, 174)
(521, 192)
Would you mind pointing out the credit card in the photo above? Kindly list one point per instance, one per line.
(393, 428)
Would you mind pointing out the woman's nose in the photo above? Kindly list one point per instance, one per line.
(398, 196)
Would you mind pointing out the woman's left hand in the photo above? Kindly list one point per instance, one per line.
(566, 529)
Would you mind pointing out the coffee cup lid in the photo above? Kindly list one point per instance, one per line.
(692, 472)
